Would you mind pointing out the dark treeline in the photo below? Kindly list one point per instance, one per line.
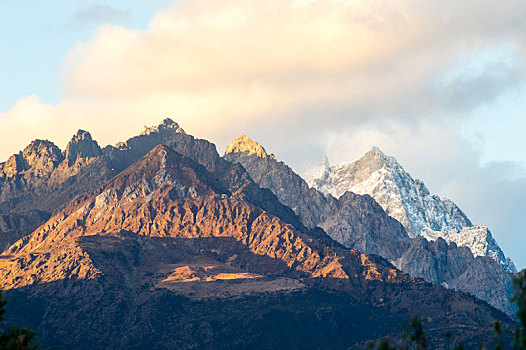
(14, 338)
(414, 337)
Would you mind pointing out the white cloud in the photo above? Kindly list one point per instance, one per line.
(214, 64)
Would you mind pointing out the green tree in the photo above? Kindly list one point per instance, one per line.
(14, 338)
(414, 335)
(381, 345)
(497, 336)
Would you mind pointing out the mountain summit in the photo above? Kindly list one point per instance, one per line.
(243, 143)
(81, 146)
(166, 125)
(160, 245)
(406, 199)
(409, 201)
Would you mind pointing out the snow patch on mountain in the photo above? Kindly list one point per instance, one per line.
(481, 243)
(409, 201)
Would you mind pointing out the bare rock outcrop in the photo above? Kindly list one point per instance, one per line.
(455, 267)
(81, 146)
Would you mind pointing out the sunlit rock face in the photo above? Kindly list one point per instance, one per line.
(361, 221)
(81, 146)
(40, 179)
(244, 144)
(409, 201)
(166, 125)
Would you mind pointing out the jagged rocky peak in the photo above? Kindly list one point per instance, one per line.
(409, 201)
(166, 125)
(42, 148)
(14, 165)
(375, 151)
(40, 156)
(338, 179)
(372, 161)
(149, 137)
(243, 143)
(81, 146)
(402, 197)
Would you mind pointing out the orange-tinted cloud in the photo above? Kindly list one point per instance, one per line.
(215, 66)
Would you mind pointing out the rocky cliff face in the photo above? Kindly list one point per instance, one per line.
(455, 267)
(81, 146)
(198, 205)
(39, 181)
(244, 144)
(358, 221)
(39, 158)
(166, 237)
(409, 201)
(480, 241)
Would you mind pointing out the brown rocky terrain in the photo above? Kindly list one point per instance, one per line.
(166, 255)
(163, 196)
(39, 181)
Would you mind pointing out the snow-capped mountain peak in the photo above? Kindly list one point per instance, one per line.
(409, 201)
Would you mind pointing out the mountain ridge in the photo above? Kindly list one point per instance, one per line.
(409, 201)
(373, 232)
(149, 256)
(33, 194)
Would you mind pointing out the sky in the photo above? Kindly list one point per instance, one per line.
(440, 85)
